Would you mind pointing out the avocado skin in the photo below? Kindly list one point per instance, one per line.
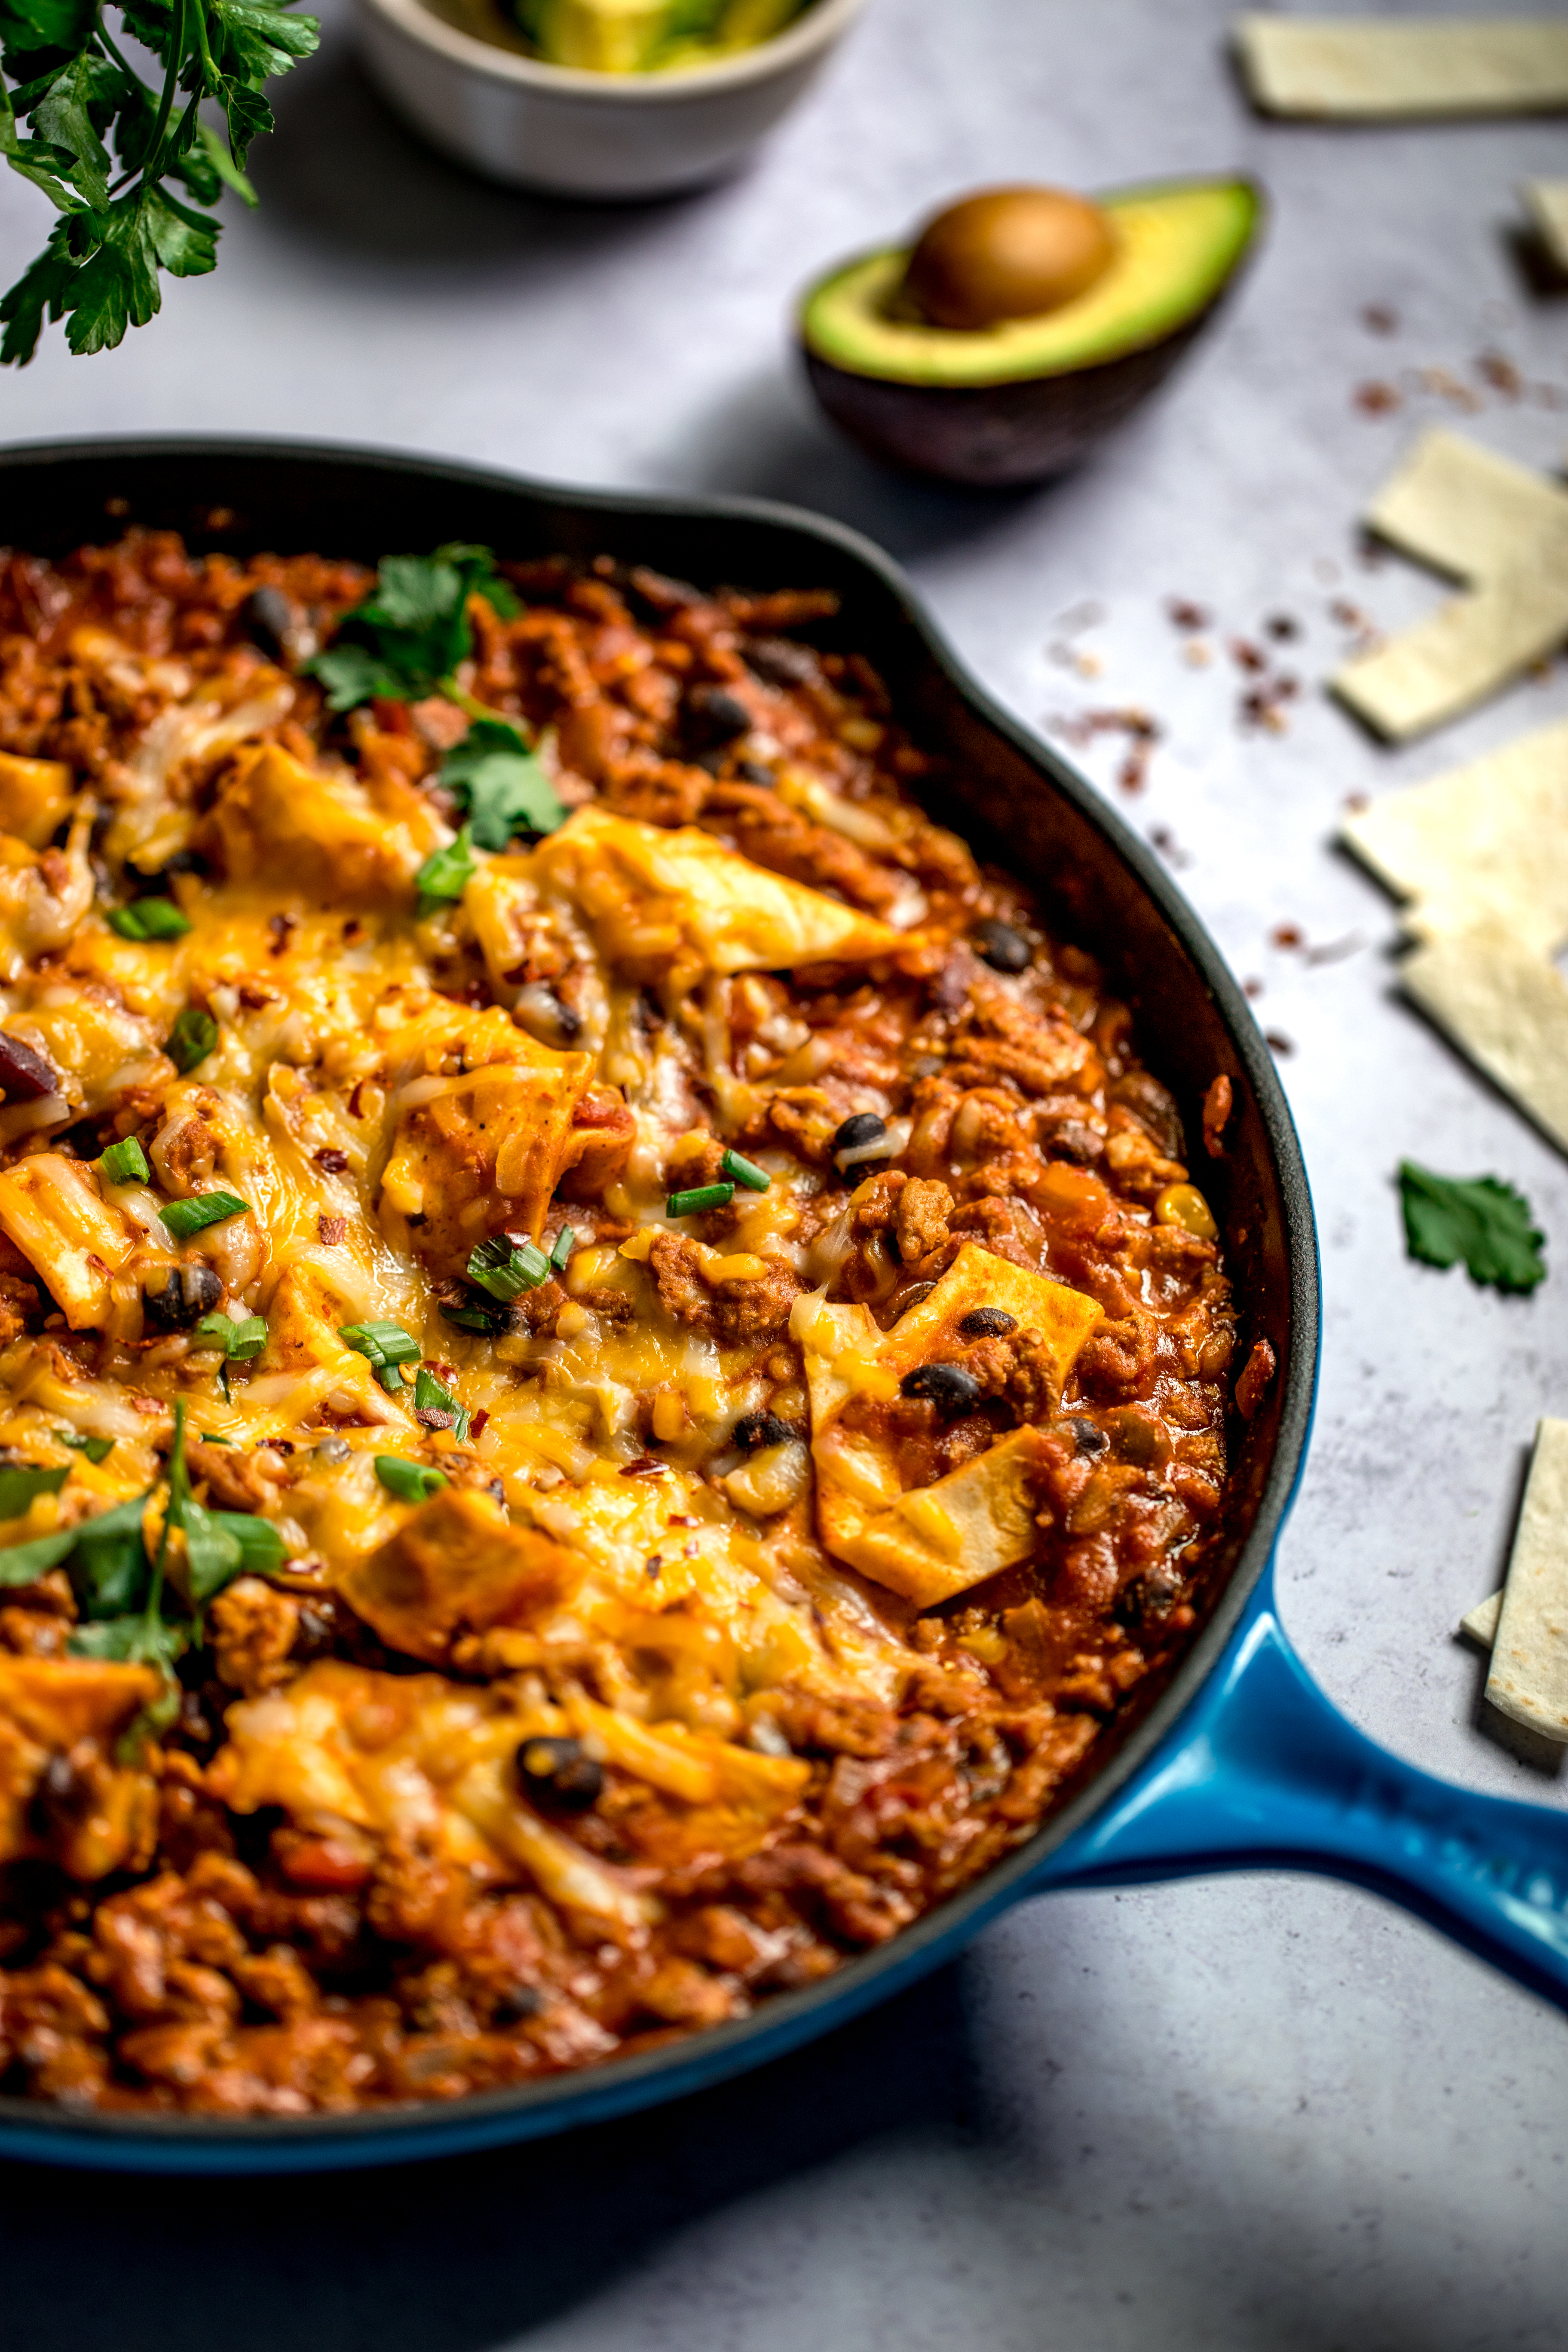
(999, 435)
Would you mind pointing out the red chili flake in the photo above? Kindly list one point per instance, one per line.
(1380, 318)
(254, 1000)
(1186, 616)
(477, 1422)
(355, 1099)
(1498, 370)
(1247, 656)
(1276, 1040)
(644, 1466)
(332, 1230)
(352, 929)
(282, 927)
(1281, 627)
(434, 1416)
(334, 1162)
(682, 1519)
(1287, 935)
(1376, 399)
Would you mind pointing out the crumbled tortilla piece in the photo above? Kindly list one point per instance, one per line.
(1506, 1007)
(1480, 1623)
(1529, 1677)
(1547, 203)
(1342, 69)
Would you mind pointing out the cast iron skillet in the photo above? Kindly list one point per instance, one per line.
(1238, 1761)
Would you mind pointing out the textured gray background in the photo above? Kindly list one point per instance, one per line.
(1249, 2113)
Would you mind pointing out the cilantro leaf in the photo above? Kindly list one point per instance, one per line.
(110, 1570)
(410, 635)
(19, 1482)
(25, 1563)
(446, 873)
(501, 784)
(1478, 1219)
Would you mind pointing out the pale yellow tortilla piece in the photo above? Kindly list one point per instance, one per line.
(657, 897)
(1350, 69)
(933, 1541)
(1480, 1623)
(1547, 203)
(1486, 842)
(1465, 652)
(1463, 509)
(1529, 1677)
(1506, 1008)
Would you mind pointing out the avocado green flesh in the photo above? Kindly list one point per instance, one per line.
(1176, 246)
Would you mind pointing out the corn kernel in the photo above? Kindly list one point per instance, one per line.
(1184, 1206)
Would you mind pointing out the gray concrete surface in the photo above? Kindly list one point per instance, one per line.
(1241, 2114)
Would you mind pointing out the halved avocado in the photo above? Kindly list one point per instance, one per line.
(1023, 399)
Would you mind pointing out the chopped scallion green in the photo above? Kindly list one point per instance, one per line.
(702, 1196)
(505, 1268)
(745, 1171)
(126, 1163)
(411, 1481)
(184, 1218)
(565, 1244)
(192, 1038)
(149, 918)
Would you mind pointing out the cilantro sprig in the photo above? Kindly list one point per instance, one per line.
(109, 149)
(407, 641)
(1478, 1219)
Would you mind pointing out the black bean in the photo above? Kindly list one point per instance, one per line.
(860, 1127)
(1087, 1438)
(902, 1300)
(779, 660)
(1004, 949)
(557, 1776)
(949, 1387)
(61, 1799)
(268, 618)
(24, 1075)
(714, 717)
(1148, 1602)
(753, 771)
(516, 2004)
(176, 1299)
(754, 1429)
(987, 1323)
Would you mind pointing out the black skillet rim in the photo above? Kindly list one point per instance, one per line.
(31, 2128)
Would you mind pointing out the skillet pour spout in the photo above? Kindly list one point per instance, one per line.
(1234, 1758)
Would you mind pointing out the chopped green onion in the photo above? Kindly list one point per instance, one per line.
(473, 1316)
(429, 1396)
(745, 1171)
(18, 1485)
(184, 1218)
(192, 1038)
(409, 1481)
(446, 873)
(211, 1437)
(214, 1330)
(565, 1243)
(702, 1196)
(248, 1338)
(126, 1163)
(384, 1347)
(505, 1268)
(149, 918)
(97, 1449)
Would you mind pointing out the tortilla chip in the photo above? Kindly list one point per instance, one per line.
(1487, 842)
(1480, 1623)
(1547, 203)
(1505, 1007)
(933, 1542)
(1469, 648)
(1464, 509)
(1339, 69)
(1529, 1677)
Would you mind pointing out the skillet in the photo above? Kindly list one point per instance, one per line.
(1236, 1760)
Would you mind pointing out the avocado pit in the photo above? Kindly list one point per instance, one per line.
(1007, 253)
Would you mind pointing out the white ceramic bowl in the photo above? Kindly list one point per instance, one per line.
(491, 105)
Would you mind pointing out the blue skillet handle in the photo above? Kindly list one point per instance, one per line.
(1263, 1772)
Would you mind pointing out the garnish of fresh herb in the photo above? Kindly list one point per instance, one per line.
(700, 1196)
(19, 1482)
(126, 1163)
(506, 1268)
(446, 873)
(79, 96)
(437, 1408)
(385, 1347)
(97, 1449)
(409, 636)
(411, 1481)
(239, 1341)
(149, 918)
(191, 1039)
(501, 784)
(184, 1218)
(565, 1244)
(473, 1314)
(1478, 1219)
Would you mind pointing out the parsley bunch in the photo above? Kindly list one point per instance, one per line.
(108, 149)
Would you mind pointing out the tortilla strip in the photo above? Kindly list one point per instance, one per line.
(1469, 648)
(1529, 1677)
(1344, 68)
(1480, 1623)
(1464, 509)
(1547, 203)
(1486, 842)
(1505, 1007)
